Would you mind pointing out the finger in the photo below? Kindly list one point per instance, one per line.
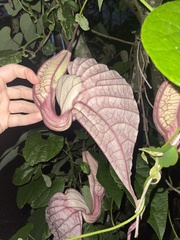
(11, 71)
(21, 106)
(4, 121)
(23, 120)
(17, 92)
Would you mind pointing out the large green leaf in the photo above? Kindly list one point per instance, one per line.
(122, 188)
(29, 192)
(158, 212)
(142, 172)
(42, 150)
(160, 36)
(106, 180)
(42, 200)
(24, 173)
(40, 230)
(28, 28)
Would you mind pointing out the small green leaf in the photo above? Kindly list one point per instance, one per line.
(100, 3)
(24, 173)
(85, 168)
(38, 150)
(160, 36)
(7, 42)
(49, 48)
(37, 6)
(166, 156)
(169, 158)
(13, 11)
(47, 180)
(153, 151)
(82, 21)
(23, 233)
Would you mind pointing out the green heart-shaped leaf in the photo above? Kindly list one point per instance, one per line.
(39, 150)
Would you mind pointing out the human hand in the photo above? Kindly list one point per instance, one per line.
(14, 109)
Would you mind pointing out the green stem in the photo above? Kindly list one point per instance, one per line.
(147, 5)
(69, 154)
(172, 138)
(172, 226)
(43, 42)
(30, 42)
(29, 11)
(111, 228)
(52, 9)
(111, 38)
(31, 237)
(111, 212)
(83, 6)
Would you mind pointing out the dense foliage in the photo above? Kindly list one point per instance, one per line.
(121, 34)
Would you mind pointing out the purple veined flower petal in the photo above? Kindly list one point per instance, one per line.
(44, 92)
(102, 101)
(64, 212)
(106, 108)
(96, 189)
(166, 112)
(63, 221)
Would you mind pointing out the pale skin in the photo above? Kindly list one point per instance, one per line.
(14, 109)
